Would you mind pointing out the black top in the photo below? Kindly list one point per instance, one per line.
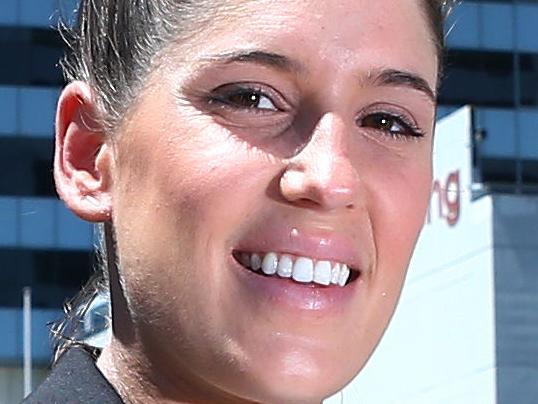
(75, 379)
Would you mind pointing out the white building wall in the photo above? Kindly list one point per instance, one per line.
(440, 347)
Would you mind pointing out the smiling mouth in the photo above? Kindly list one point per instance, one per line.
(303, 270)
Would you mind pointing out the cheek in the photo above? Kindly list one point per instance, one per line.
(182, 174)
(400, 197)
(193, 189)
(397, 201)
(212, 185)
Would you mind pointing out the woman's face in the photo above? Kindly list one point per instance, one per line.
(300, 129)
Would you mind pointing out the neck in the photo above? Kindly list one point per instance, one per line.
(137, 381)
(143, 374)
(121, 371)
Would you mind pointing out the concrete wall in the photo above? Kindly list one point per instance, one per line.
(516, 297)
(11, 383)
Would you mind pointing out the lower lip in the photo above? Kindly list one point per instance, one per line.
(284, 292)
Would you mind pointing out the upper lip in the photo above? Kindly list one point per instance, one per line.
(319, 243)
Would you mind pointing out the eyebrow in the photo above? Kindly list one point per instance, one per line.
(399, 78)
(264, 58)
(385, 77)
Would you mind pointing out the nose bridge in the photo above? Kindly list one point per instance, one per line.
(326, 145)
(322, 171)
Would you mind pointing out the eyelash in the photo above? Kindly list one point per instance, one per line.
(221, 97)
(410, 129)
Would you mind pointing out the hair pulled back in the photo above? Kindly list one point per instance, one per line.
(112, 46)
(114, 43)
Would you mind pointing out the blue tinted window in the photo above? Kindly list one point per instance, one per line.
(26, 167)
(36, 218)
(52, 275)
(499, 132)
(37, 13)
(8, 16)
(527, 28)
(463, 26)
(42, 223)
(478, 78)
(8, 110)
(528, 127)
(38, 107)
(497, 26)
(73, 232)
(8, 221)
(33, 56)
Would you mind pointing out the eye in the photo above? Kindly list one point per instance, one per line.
(243, 98)
(391, 124)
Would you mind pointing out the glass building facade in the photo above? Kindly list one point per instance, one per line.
(42, 244)
(492, 64)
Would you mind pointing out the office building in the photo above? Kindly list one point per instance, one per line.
(42, 245)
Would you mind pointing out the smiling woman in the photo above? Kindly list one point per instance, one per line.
(263, 170)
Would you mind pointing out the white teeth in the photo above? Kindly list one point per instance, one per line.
(255, 262)
(344, 275)
(285, 266)
(322, 273)
(269, 264)
(303, 270)
(335, 274)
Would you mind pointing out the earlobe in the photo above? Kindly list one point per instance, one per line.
(83, 160)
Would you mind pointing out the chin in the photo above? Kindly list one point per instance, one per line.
(298, 377)
(279, 389)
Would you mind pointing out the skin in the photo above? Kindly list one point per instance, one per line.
(185, 181)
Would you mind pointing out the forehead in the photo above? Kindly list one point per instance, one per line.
(360, 34)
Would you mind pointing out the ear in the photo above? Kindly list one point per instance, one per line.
(83, 160)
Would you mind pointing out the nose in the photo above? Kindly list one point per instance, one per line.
(321, 175)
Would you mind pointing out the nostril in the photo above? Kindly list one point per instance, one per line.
(307, 203)
(318, 189)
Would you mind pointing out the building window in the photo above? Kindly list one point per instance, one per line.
(52, 275)
(487, 79)
(43, 178)
(478, 78)
(30, 56)
(529, 79)
(30, 159)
